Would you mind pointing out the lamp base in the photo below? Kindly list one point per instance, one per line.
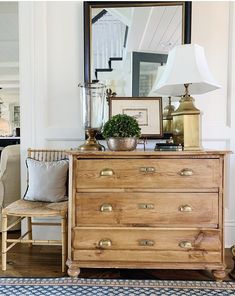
(186, 106)
(87, 146)
(91, 143)
(186, 125)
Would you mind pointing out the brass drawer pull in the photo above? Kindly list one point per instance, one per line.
(185, 245)
(144, 206)
(186, 172)
(105, 243)
(146, 242)
(185, 208)
(106, 172)
(147, 170)
(106, 208)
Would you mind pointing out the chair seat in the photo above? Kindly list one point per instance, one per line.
(35, 208)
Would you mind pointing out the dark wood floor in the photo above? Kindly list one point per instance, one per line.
(45, 261)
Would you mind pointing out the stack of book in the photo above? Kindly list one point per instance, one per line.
(168, 147)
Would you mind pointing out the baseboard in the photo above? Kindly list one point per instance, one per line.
(229, 233)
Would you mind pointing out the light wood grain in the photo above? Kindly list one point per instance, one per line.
(167, 209)
(146, 256)
(130, 239)
(152, 266)
(130, 173)
(150, 190)
(148, 153)
(159, 236)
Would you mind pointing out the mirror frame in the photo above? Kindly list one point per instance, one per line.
(87, 5)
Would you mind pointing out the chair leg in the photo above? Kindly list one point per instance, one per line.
(4, 242)
(64, 241)
(30, 235)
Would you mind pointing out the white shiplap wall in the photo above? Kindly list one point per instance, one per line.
(51, 65)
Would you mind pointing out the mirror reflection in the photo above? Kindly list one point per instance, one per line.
(128, 44)
(9, 73)
(9, 113)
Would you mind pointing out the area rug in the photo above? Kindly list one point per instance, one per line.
(103, 287)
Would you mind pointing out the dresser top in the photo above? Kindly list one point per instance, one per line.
(147, 153)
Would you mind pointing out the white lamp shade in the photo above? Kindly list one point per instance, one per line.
(186, 64)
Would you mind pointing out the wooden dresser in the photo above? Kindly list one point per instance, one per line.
(146, 210)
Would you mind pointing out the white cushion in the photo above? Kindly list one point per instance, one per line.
(47, 181)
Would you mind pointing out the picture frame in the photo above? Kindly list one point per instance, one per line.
(147, 111)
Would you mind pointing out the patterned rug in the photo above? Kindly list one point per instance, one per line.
(103, 287)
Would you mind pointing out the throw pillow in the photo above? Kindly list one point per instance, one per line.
(47, 181)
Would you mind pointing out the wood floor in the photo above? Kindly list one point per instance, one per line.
(45, 261)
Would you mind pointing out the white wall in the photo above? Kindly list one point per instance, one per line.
(213, 27)
(51, 66)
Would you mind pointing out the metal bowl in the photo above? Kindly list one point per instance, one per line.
(122, 144)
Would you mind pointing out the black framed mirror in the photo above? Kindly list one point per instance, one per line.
(125, 42)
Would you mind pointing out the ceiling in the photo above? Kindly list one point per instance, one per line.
(155, 29)
(152, 29)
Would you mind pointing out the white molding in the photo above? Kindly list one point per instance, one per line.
(26, 75)
(32, 36)
(9, 85)
(9, 65)
(229, 63)
(33, 80)
(26, 72)
(230, 223)
(40, 72)
(64, 134)
(10, 77)
(229, 234)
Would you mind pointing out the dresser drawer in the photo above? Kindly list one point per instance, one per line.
(175, 209)
(136, 257)
(147, 173)
(147, 245)
(86, 238)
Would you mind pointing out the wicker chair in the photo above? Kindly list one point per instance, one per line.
(24, 209)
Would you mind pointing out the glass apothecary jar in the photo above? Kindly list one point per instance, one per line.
(92, 96)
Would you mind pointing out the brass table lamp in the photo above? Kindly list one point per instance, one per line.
(92, 97)
(186, 71)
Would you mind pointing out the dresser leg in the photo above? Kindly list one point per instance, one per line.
(73, 269)
(219, 275)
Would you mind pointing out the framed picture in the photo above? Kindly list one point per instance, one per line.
(146, 110)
